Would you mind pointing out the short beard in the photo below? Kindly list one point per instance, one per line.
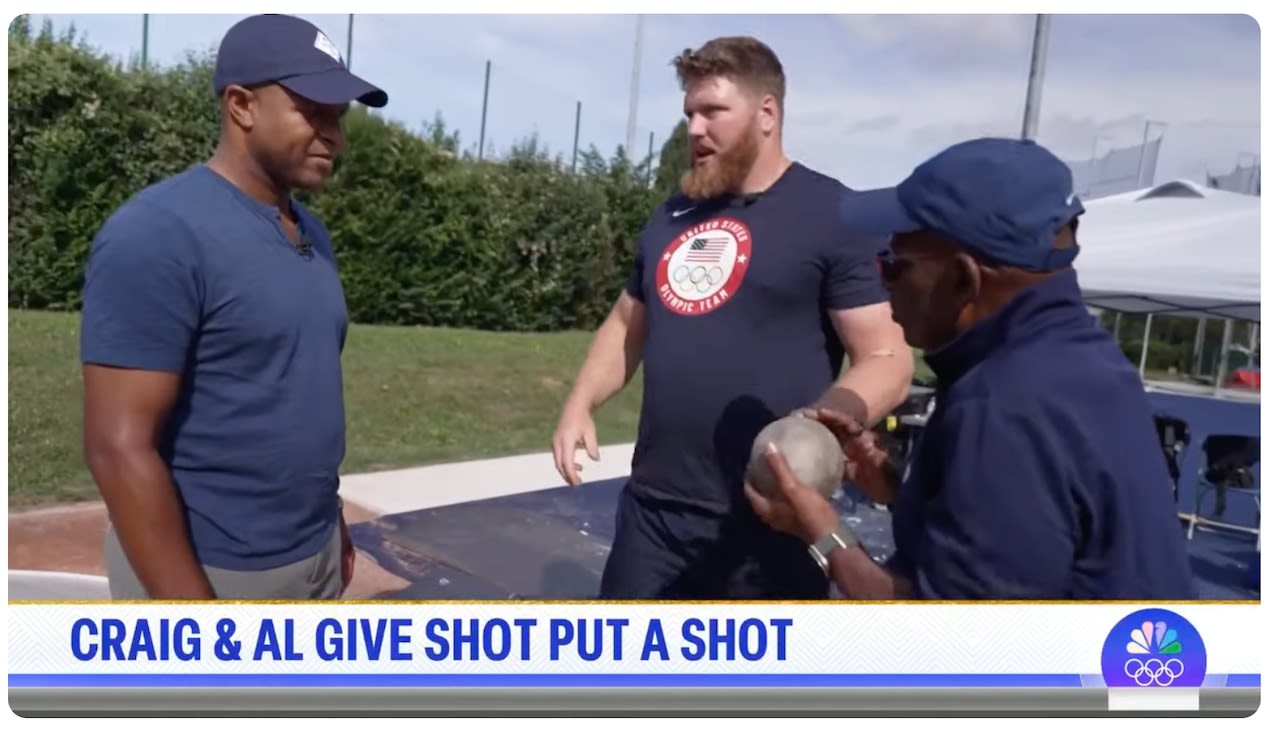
(727, 173)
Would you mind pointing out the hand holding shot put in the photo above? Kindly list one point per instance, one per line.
(787, 504)
(867, 463)
(796, 467)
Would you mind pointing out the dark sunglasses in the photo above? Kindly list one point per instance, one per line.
(893, 266)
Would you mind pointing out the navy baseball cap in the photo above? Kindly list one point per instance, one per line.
(1002, 199)
(291, 52)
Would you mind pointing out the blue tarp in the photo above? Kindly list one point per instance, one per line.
(552, 544)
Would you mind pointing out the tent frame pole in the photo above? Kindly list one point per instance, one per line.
(1146, 340)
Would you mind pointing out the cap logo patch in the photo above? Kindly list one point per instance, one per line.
(326, 45)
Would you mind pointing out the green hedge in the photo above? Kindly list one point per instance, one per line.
(425, 235)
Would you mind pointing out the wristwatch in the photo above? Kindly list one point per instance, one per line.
(841, 537)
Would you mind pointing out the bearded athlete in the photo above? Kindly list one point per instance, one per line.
(744, 299)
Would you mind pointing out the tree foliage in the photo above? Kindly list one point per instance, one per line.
(673, 159)
(425, 234)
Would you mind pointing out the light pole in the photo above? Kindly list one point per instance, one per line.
(1035, 80)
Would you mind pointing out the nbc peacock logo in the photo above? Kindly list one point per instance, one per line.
(1154, 637)
(1153, 648)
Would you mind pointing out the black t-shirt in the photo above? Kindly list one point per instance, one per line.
(737, 295)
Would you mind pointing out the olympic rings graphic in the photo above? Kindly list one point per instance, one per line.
(1155, 670)
(704, 281)
(700, 278)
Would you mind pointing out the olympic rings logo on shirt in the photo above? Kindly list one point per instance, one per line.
(704, 267)
(700, 278)
(1155, 670)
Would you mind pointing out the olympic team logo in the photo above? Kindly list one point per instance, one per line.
(703, 267)
(1153, 648)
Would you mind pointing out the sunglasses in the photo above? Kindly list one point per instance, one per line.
(894, 266)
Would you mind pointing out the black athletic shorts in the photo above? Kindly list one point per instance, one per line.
(668, 550)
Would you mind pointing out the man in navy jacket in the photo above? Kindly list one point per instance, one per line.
(1038, 475)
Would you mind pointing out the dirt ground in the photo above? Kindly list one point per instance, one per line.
(69, 538)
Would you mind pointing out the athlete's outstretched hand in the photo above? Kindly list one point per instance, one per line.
(576, 429)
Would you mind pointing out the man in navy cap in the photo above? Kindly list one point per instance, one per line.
(213, 326)
(1038, 476)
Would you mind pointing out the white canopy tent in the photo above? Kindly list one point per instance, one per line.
(1176, 249)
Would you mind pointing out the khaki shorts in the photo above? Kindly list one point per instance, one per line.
(317, 577)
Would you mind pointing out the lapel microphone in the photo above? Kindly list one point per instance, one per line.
(304, 248)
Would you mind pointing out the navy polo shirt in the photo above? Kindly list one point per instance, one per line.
(737, 294)
(1039, 474)
(192, 276)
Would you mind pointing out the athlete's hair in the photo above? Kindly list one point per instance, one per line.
(743, 60)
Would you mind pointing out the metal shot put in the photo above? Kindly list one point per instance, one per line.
(809, 447)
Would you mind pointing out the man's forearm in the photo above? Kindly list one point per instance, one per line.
(872, 388)
(150, 524)
(610, 364)
(858, 576)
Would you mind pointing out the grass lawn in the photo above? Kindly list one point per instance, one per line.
(414, 396)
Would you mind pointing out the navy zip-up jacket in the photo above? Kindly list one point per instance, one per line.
(1039, 474)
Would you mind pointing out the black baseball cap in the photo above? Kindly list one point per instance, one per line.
(289, 51)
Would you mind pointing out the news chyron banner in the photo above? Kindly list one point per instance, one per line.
(634, 659)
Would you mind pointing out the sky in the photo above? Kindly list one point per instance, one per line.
(868, 96)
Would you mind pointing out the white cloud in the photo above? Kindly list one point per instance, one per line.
(873, 133)
(869, 96)
(932, 38)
